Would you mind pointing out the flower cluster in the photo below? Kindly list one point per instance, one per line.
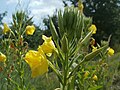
(30, 29)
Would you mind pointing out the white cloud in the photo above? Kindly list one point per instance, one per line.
(44, 6)
(38, 8)
(11, 1)
(43, 11)
(7, 19)
(36, 3)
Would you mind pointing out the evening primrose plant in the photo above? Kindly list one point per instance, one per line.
(14, 47)
(68, 52)
(72, 53)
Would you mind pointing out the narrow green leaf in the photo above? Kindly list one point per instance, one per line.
(87, 58)
(95, 88)
(86, 39)
(55, 71)
(53, 31)
(29, 20)
(60, 23)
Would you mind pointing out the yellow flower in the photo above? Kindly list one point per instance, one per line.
(86, 74)
(30, 30)
(110, 51)
(37, 62)
(95, 78)
(93, 28)
(48, 46)
(6, 28)
(2, 57)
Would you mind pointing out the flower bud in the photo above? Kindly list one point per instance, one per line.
(6, 28)
(92, 42)
(93, 28)
(95, 78)
(110, 51)
(2, 57)
(86, 74)
(80, 6)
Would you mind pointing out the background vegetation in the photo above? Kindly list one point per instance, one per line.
(106, 16)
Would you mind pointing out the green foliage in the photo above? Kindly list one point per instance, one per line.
(72, 40)
(105, 14)
(14, 44)
(21, 19)
(71, 59)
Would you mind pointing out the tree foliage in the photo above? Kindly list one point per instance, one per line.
(2, 15)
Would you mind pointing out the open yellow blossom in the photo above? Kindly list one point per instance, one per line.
(37, 62)
(48, 45)
(30, 30)
(110, 51)
(93, 28)
(6, 28)
(95, 77)
(2, 57)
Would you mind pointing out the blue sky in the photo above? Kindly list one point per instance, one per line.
(38, 8)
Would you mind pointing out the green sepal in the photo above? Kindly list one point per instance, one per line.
(60, 23)
(85, 40)
(95, 88)
(64, 43)
(55, 71)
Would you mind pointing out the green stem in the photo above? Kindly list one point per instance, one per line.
(56, 72)
(21, 71)
(75, 69)
(7, 61)
(65, 72)
(13, 82)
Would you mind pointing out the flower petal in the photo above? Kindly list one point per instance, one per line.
(37, 61)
